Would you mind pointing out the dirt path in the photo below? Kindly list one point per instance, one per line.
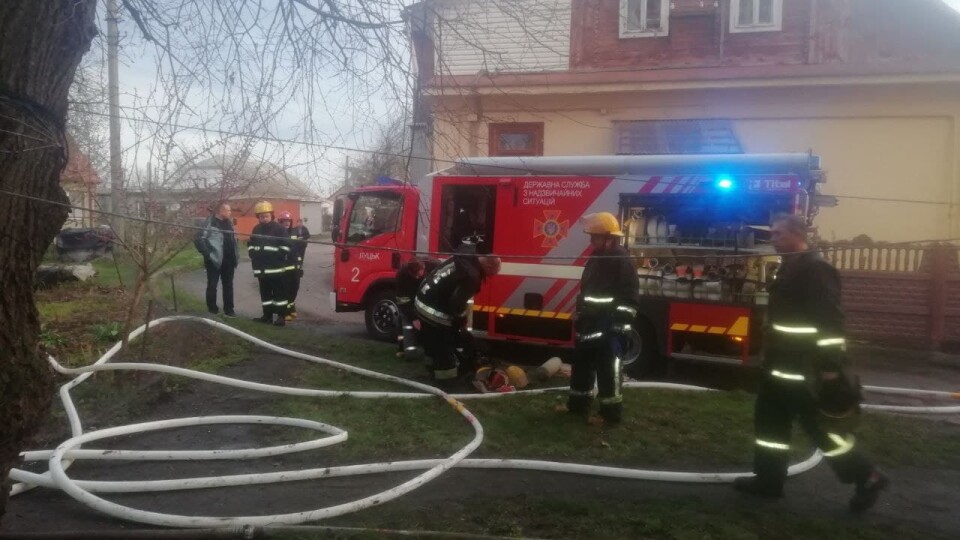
(313, 301)
(924, 497)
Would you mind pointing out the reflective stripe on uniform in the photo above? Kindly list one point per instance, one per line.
(772, 445)
(627, 309)
(795, 329)
(588, 337)
(280, 303)
(270, 248)
(611, 400)
(257, 272)
(267, 303)
(284, 248)
(274, 271)
(253, 248)
(441, 275)
(580, 393)
(831, 342)
(788, 376)
(843, 445)
(430, 311)
(410, 348)
(596, 300)
(289, 268)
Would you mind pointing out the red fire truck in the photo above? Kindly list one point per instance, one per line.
(695, 224)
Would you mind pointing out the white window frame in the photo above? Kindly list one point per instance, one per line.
(756, 26)
(627, 32)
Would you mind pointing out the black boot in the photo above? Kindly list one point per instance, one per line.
(758, 488)
(579, 405)
(868, 491)
(612, 413)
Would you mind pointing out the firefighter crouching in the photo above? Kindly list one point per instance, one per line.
(270, 254)
(606, 309)
(804, 375)
(441, 305)
(409, 277)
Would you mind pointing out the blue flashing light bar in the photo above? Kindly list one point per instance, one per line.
(725, 182)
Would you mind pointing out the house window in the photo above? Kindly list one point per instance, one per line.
(756, 15)
(519, 139)
(644, 18)
(677, 137)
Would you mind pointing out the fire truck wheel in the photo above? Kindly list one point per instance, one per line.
(382, 314)
(642, 356)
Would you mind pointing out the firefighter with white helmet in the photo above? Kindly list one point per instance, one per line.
(606, 309)
(270, 256)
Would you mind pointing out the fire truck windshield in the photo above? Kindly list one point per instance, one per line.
(373, 214)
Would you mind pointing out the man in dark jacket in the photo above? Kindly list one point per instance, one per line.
(409, 277)
(804, 375)
(217, 242)
(606, 309)
(298, 242)
(270, 255)
(441, 306)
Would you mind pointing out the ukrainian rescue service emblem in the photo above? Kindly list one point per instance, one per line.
(551, 228)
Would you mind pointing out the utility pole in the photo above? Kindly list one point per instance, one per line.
(113, 84)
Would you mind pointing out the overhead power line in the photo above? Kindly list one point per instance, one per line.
(408, 156)
(893, 245)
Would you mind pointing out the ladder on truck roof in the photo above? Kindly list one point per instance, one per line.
(627, 165)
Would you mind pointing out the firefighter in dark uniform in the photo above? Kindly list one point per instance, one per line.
(804, 375)
(409, 277)
(606, 309)
(270, 256)
(441, 306)
(298, 242)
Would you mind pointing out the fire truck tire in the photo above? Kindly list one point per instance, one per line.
(381, 315)
(642, 356)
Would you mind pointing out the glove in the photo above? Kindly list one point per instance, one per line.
(623, 318)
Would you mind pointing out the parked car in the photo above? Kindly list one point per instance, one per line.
(79, 245)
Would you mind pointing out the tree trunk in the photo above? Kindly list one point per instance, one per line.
(41, 43)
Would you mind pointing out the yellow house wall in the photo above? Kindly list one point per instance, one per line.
(899, 142)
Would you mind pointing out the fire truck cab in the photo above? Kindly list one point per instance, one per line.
(696, 226)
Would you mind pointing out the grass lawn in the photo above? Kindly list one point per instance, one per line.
(673, 518)
(79, 321)
(663, 429)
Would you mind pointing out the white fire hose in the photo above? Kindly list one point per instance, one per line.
(83, 491)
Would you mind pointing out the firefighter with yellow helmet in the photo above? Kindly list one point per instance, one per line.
(606, 309)
(270, 255)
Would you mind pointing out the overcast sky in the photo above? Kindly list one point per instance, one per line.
(342, 117)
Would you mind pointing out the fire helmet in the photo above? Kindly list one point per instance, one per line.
(263, 207)
(601, 223)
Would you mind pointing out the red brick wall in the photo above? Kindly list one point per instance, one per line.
(694, 39)
(902, 307)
